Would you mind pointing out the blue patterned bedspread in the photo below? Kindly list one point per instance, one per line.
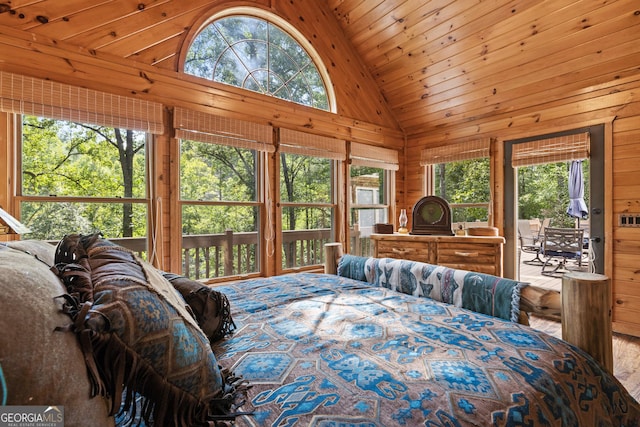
(324, 350)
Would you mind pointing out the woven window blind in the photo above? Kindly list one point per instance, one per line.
(296, 142)
(552, 150)
(377, 157)
(456, 152)
(27, 95)
(204, 127)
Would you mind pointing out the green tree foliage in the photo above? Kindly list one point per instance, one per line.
(66, 159)
(543, 192)
(466, 181)
(217, 173)
(254, 54)
(304, 181)
(307, 180)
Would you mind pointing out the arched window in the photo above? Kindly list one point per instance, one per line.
(257, 54)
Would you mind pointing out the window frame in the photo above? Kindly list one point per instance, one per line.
(128, 242)
(356, 244)
(464, 205)
(471, 150)
(385, 159)
(335, 168)
(286, 27)
(259, 204)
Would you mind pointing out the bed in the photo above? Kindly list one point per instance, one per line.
(369, 346)
(327, 350)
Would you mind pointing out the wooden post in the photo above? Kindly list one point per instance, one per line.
(332, 254)
(228, 252)
(586, 315)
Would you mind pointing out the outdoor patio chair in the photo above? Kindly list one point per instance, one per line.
(546, 222)
(561, 245)
(529, 243)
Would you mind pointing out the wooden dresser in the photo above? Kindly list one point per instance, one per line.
(481, 254)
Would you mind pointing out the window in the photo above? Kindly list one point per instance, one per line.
(369, 205)
(252, 49)
(256, 54)
(368, 196)
(308, 173)
(465, 185)
(221, 160)
(220, 213)
(83, 178)
(83, 159)
(461, 174)
(371, 186)
(306, 196)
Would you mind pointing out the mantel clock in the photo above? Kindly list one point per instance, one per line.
(432, 215)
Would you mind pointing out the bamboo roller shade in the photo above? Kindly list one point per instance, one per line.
(456, 152)
(296, 142)
(377, 157)
(27, 95)
(204, 127)
(551, 150)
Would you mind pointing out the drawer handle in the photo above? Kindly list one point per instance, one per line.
(398, 251)
(467, 254)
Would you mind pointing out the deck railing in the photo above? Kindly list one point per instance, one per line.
(360, 241)
(230, 253)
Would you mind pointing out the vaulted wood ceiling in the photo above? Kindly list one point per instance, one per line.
(437, 63)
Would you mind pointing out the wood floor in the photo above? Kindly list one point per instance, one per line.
(626, 348)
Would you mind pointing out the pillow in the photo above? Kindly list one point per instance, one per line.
(139, 337)
(210, 307)
(479, 292)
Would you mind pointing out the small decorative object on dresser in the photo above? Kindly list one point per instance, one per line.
(402, 221)
(383, 228)
(482, 231)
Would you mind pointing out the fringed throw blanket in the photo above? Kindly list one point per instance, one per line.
(482, 293)
(140, 338)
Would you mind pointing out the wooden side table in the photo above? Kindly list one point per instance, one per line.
(586, 315)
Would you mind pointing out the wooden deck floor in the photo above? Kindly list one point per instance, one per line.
(626, 348)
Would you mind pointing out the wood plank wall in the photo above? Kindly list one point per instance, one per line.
(549, 68)
(626, 199)
(158, 33)
(616, 104)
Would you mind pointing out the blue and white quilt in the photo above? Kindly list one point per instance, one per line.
(324, 350)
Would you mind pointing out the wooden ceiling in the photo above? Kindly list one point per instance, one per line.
(437, 63)
(445, 62)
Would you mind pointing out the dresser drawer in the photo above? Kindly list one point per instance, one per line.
(413, 251)
(472, 257)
